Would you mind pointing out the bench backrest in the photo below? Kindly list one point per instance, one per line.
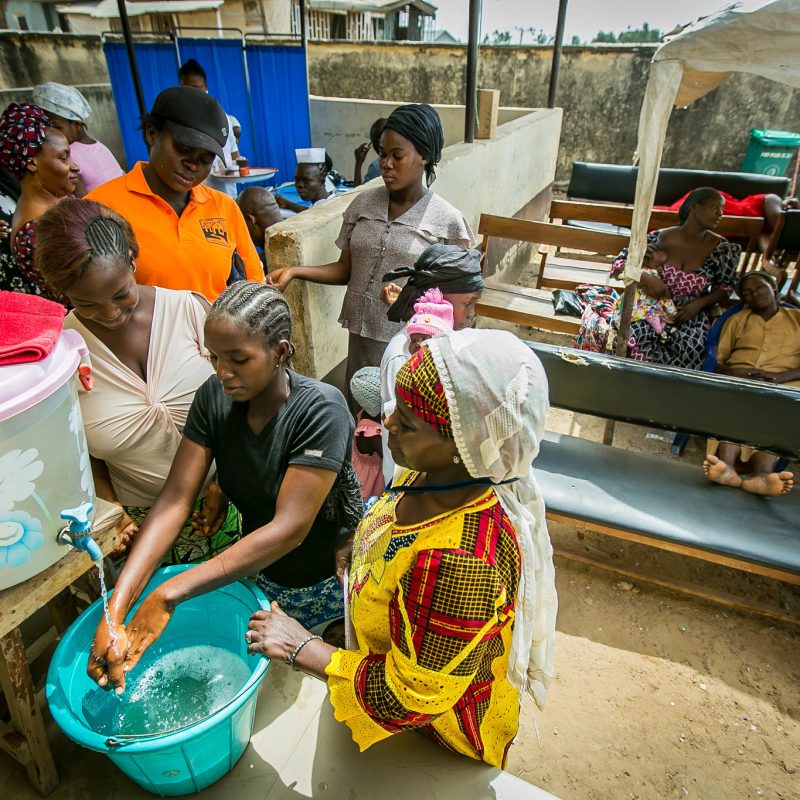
(616, 183)
(705, 404)
(546, 233)
(729, 226)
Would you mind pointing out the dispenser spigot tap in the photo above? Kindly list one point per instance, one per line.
(77, 532)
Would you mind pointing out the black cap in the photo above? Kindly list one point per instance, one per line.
(193, 117)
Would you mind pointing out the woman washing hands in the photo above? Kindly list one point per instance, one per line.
(281, 444)
(450, 589)
(148, 359)
(698, 273)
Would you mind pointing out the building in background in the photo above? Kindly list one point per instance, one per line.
(368, 20)
(328, 20)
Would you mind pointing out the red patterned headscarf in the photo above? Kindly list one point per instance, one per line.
(420, 388)
(22, 132)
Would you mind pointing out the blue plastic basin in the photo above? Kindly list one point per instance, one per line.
(189, 759)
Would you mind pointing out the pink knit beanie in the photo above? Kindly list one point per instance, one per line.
(432, 314)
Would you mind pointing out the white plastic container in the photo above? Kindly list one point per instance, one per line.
(44, 458)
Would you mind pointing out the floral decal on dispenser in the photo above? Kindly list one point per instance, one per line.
(20, 535)
(18, 471)
(85, 465)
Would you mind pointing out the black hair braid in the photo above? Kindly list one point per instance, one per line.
(259, 308)
(106, 238)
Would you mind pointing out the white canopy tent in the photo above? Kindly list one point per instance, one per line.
(761, 37)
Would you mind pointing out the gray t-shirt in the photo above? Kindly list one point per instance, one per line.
(312, 428)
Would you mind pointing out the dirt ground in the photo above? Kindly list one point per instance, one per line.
(657, 694)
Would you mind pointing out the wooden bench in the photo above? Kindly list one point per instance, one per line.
(616, 183)
(784, 245)
(523, 306)
(533, 307)
(567, 273)
(660, 502)
(25, 738)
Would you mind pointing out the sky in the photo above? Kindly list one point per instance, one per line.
(584, 17)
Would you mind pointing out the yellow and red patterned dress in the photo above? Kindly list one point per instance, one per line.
(432, 606)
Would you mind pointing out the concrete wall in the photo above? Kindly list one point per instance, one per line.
(600, 88)
(503, 174)
(102, 125)
(340, 125)
(30, 58)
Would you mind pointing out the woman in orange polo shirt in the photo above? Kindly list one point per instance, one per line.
(188, 233)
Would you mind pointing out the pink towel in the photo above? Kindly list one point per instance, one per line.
(29, 327)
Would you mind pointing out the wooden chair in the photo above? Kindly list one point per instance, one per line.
(595, 247)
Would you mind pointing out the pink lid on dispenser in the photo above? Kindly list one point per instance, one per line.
(22, 386)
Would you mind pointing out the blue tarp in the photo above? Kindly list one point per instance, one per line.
(224, 65)
(280, 104)
(274, 118)
(158, 68)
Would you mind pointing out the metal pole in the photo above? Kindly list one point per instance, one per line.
(303, 25)
(126, 33)
(472, 70)
(621, 346)
(562, 18)
(304, 42)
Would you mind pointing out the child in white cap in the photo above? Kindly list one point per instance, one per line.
(313, 164)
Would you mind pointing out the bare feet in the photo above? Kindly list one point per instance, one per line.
(718, 471)
(769, 483)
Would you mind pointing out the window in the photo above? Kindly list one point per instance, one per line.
(252, 13)
(161, 23)
(338, 26)
(135, 23)
(22, 22)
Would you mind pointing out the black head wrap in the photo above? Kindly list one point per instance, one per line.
(421, 125)
(448, 267)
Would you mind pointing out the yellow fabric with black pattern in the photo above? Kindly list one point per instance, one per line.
(432, 606)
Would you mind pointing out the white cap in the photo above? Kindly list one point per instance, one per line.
(310, 155)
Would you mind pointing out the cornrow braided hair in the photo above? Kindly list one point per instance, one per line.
(104, 235)
(257, 307)
(73, 233)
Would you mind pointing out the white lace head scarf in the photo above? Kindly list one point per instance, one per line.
(497, 394)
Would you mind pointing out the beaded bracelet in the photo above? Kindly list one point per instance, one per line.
(290, 661)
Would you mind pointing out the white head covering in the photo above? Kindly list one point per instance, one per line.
(310, 155)
(65, 101)
(497, 394)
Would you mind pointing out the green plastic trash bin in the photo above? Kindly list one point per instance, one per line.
(770, 152)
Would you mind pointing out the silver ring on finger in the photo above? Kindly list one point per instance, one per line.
(248, 637)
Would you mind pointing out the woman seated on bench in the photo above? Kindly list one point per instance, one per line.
(760, 342)
(699, 273)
